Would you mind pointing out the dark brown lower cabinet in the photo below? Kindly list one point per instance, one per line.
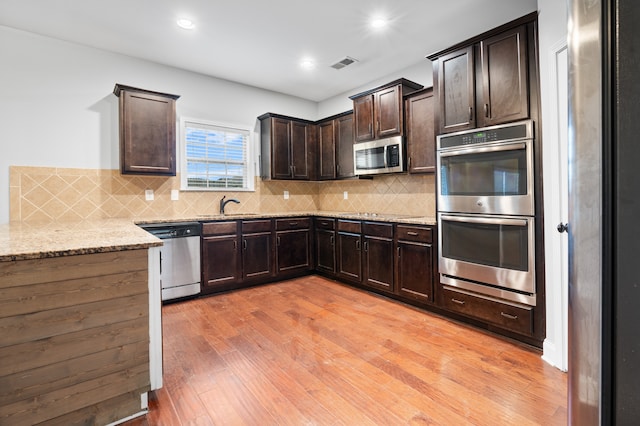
(257, 250)
(508, 316)
(293, 246)
(415, 259)
(378, 255)
(325, 245)
(220, 263)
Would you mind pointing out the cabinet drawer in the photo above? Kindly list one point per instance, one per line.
(325, 223)
(413, 233)
(377, 229)
(511, 317)
(219, 228)
(293, 223)
(352, 226)
(253, 226)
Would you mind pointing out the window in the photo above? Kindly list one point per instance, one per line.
(215, 157)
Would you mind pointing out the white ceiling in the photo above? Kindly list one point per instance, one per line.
(260, 43)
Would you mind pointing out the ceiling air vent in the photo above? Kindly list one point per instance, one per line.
(343, 63)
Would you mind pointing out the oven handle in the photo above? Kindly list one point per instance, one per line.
(486, 221)
(479, 150)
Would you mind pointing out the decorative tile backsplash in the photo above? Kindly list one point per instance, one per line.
(46, 193)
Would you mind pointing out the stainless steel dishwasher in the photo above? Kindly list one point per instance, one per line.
(179, 258)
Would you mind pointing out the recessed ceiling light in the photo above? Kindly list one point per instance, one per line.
(187, 24)
(379, 22)
(307, 64)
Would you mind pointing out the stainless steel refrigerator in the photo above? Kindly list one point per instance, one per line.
(604, 212)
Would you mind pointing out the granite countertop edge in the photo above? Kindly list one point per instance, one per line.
(28, 241)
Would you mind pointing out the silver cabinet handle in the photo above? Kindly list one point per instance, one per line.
(366, 246)
(398, 250)
(509, 316)
(413, 234)
(470, 114)
(332, 240)
(244, 244)
(486, 110)
(457, 301)
(357, 244)
(278, 240)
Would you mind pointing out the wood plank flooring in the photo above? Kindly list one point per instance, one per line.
(314, 352)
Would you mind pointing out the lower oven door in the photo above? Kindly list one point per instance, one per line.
(491, 251)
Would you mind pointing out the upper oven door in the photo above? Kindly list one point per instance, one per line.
(491, 178)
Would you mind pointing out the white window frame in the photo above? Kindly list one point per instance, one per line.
(250, 168)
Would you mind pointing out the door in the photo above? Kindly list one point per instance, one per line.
(421, 136)
(256, 256)
(299, 150)
(505, 86)
(415, 271)
(378, 263)
(456, 91)
(363, 118)
(293, 250)
(349, 256)
(388, 112)
(221, 266)
(325, 251)
(344, 146)
(281, 148)
(327, 150)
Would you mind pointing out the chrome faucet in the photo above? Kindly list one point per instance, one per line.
(224, 203)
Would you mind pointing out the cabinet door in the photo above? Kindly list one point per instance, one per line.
(456, 90)
(280, 148)
(344, 146)
(147, 134)
(388, 112)
(415, 271)
(505, 85)
(325, 251)
(300, 150)
(420, 131)
(257, 263)
(326, 150)
(293, 251)
(363, 118)
(220, 263)
(378, 254)
(349, 256)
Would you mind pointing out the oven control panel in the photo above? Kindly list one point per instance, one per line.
(503, 133)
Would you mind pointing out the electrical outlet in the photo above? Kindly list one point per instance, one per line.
(286, 195)
(345, 194)
(148, 194)
(175, 195)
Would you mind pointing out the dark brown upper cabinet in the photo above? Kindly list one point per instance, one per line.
(288, 147)
(456, 90)
(147, 131)
(335, 147)
(485, 81)
(505, 86)
(378, 113)
(420, 132)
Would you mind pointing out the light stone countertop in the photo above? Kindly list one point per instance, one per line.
(25, 240)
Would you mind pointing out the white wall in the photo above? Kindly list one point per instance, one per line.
(57, 107)
(421, 73)
(552, 23)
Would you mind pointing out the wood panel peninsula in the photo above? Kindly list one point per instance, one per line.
(75, 322)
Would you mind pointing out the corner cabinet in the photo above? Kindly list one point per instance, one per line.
(420, 132)
(485, 81)
(288, 148)
(378, 113)
(147, 131)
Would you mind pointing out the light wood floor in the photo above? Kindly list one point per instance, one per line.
(311, 351)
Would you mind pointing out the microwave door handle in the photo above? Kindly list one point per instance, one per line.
(485, 221)
(477, 150)
(385, 156)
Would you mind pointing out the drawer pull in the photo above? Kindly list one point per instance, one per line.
(413, 234)
(293, 223)
(509, 316)
(457, 301)
(324, 223)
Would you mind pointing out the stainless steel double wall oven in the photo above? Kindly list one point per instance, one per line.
(486, 211)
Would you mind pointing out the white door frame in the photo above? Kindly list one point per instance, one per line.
(555, 207)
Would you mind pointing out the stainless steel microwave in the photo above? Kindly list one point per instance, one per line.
(379, 156)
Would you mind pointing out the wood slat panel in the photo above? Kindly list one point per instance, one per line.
(53, 350)
(40, 381)
(26, 272)
(41, 325)
(72, 398)
(35, 298)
